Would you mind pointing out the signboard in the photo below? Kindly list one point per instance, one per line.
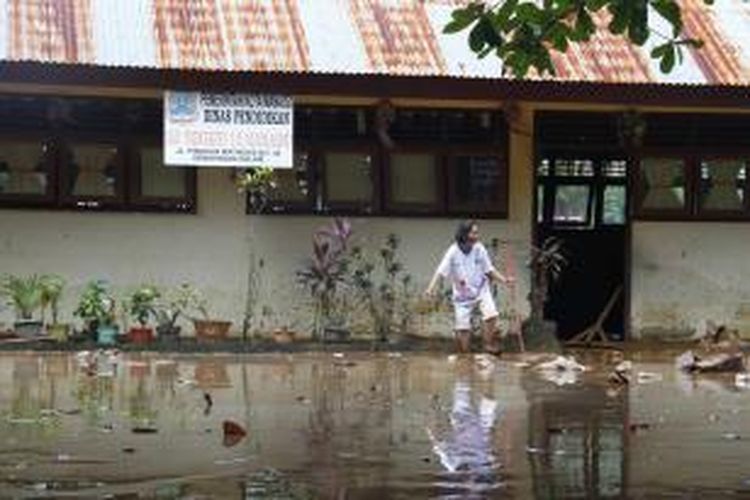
(227, 130)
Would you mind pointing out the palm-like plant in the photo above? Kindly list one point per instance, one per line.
(52, 287)
(547, 263)
(24, 293)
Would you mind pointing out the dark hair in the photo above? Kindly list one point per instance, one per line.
(462, 234)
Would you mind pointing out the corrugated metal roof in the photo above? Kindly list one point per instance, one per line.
(391, 37)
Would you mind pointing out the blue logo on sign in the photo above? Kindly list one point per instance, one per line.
(183, 106)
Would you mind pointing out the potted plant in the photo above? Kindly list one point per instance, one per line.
(52, 288)
(168, 309)
(96, 308)
(206, 327)
(324, 276)
(142, 306)
(25, 295)
(546, 265)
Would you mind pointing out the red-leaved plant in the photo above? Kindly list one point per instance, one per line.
(325, 273)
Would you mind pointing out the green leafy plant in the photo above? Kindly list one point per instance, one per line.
(325, 274)
(143, 304)
(524, 33)
(24, 294)
(259, 183)
(189, 301)
(546, 264)
(52, 288)
(96, 306)
(385, 287)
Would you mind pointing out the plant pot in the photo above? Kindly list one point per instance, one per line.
(28, 329)
(58, 332)
(106, 334)
(211, 330)
(168, 332)
(283, 336)
(140, 335)
(336, 334)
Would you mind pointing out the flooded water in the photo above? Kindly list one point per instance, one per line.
(366, 426)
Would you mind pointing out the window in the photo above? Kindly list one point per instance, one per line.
(722, 186)
(292, 192)
(159, 186)
(348, 180)
(91, 171)
(572, 204)
(439, 163)
(24, 168)
(615, 203)
(663, 184)
(89, 154)
(476, 184)
(694, 187)
(413, 181)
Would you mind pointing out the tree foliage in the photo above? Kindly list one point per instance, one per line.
(524, 33)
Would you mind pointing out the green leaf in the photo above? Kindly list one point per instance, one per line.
(462, 19)
(504, 14)
(669, 10)
(668, 60)
(527, 12)
(638, 30)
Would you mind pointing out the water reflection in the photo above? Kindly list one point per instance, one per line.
(362, 426)
(465, 441)
(576, 439)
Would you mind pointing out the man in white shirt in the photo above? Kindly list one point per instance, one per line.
(467, 265)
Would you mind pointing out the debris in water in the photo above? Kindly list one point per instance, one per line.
(128, 450)
(233, 433)
(144, 430)
(562, 363)
(719, 363)
(209, 403)
(649, 377)
(338, 355)
(533, 450)
(729, 436)
(561, 370)
(452, 358)
(742, 380)
(639, 427)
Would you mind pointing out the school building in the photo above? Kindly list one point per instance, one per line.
(397, 126)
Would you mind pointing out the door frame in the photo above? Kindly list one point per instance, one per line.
(628, 229)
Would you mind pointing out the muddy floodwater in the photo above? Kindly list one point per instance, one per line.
(328, 425)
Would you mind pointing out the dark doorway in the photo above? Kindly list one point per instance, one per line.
(582, 199)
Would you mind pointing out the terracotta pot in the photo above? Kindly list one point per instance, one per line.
(211, 330)
(283, 336)
(140, 335)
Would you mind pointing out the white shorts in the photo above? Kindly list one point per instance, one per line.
(463, 310)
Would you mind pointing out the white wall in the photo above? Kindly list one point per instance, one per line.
(213, 248)
(685, 273)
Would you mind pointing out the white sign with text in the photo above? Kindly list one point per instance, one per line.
(228, 130)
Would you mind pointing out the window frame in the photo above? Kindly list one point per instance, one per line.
(500, 153)
(158, 203)
(382, 201)
(345, 207)
(719, 215)
(693, 211)
(639, 191)
(439, 166)
(27, 200)
(92, 202)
